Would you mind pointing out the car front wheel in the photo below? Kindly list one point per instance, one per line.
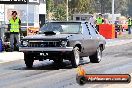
(96, 58)
(75, 57)
(28, 60)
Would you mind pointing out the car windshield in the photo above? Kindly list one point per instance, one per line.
(65, 28)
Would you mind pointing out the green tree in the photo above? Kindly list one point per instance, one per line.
(49, 7)
(121, 6)
(60, 12)
(75, 6)
(79, 6)
(91, 6)
(105, 6)
(130, 8)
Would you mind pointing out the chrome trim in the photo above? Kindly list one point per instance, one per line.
(43, 41)
(39, 49)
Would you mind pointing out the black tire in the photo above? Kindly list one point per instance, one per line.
(28, 60)
(75, 58)
(81, 80)
(96, 58)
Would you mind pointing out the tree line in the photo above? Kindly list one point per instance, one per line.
(56, 9)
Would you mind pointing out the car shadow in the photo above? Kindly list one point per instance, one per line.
(49, 66)
(52, 66)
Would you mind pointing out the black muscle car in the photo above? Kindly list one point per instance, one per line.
(63, 40)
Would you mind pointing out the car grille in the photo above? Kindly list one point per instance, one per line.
(44, 44)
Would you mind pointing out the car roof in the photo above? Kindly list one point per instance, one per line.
(67, 21)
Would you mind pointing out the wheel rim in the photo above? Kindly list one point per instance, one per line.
(99, 54)
(77, 57)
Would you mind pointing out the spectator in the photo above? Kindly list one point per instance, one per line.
(14, 23)
(92, 20)
(99, 21)
(129, 25)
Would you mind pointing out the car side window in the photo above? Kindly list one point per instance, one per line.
(92, 30)
(96, 31)
(88, 28)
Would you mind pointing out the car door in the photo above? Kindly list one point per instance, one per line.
(95, 37)
(88, 40)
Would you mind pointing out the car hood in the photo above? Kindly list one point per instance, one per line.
(43, 36)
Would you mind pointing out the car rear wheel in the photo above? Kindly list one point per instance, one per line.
(75, 57)
(96, 58)
(28, 60)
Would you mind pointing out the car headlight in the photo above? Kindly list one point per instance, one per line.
(64, 43)
(25, 43)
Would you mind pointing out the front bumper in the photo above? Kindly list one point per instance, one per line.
(45, 49)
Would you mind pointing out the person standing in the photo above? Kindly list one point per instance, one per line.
(14, 26)
(92, 20)
(129, 25)
(99, 21)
